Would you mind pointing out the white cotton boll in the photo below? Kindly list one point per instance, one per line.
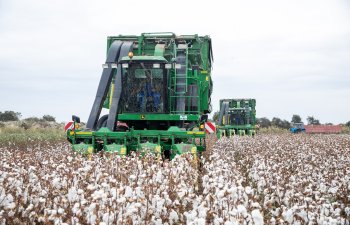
(105, 185)
(75, 208)
(30, 207)
(173, 217)
(80, 191)
(102, 223)
(257, 217)
(220, 185)
(233, 212)
(158, 222)
(272, 221)
(138, 205)
(333, 221)
(132, 177)
(91, 187)
(60, 211)
(92, 219)
(72, 194)
(199, 221)
(256, 205)
(53, 212)
(333, 190)
(303, 215)
(230, 223)
(241, 209)
(121, 200)
(217, 221)
(113, 192)
(128, 192)
(138, 191)
(10, 206)
(56, 183)
(337, 212)
(159, 176)
(42, 200)
(347, 211)
(288, 216)
(98, 194)
(70, 158)
(221, 194)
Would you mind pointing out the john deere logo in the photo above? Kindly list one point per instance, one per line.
(142, 117)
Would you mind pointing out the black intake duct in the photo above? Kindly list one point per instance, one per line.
(113, 109)
(223, 112)
(105, 82)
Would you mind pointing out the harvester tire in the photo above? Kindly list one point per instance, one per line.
(102, 122)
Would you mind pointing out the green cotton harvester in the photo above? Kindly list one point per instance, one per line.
(236, 116)
(157, 87)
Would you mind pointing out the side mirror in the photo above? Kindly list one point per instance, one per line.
(76, 119)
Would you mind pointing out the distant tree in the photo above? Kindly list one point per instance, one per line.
(276, 122)
(329, 123)
(49, 118)
(296, 119)
(263, 122)
(312, 121)
(10, 116)
(285, 124)
(216, 117)
(348, 124)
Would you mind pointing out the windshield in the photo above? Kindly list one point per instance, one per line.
(144, 88)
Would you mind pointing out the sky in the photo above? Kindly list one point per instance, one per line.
(293, 57)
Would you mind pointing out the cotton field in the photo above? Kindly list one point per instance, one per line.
(269, 179)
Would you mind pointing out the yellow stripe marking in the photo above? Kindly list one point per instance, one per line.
(111, 96)
(87, 133)
(195, 132)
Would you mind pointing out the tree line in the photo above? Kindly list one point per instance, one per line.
(277, 122)
(7, 116)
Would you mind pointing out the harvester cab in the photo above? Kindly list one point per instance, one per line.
(236, 116)
(157, 87)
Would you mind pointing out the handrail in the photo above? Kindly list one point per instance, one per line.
(160, 34)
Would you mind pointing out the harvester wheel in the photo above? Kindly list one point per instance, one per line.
(102, 122)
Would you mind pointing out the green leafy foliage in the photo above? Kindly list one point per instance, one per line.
(296, 119)
(9, 116)
(312, 121)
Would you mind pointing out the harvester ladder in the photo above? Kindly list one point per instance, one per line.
(181, 69)
(180, 78)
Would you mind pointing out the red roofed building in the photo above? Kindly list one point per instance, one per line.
(325, 129)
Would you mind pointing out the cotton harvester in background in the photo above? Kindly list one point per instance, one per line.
(236, 116)
(157, 87)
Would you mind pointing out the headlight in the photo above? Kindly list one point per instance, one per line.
(194, 150)
(123, 150)
(157, 149)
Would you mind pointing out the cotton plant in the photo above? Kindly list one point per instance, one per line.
(268, 179)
